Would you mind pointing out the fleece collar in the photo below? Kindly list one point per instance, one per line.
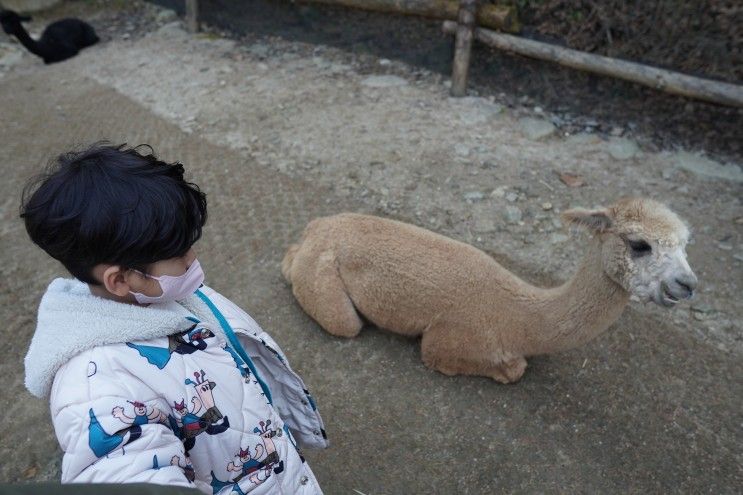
(72, 320)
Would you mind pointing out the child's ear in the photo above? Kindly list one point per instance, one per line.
(114, 280)
(595, 221)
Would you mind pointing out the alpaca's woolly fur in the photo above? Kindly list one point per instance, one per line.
(474, 316)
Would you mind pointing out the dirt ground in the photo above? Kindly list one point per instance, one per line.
(280, 131)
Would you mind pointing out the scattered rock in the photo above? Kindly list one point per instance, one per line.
(725, 246)
(622, 148)
(499, 192)
(259, 50)
(512, 197)
(536, 128)
(166, 15)
(702, 308)
(705, 167)
(10, 54)
(547, 206)
(474, 110)
(582, 138)
(474, 196)
(383, 81)
(512, 214)
(571, 180)
(173, 29)
(461, 150)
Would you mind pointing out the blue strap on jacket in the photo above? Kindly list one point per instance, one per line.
(235, 343)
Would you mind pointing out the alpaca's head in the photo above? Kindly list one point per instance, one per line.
(11, 21)
(643, 248)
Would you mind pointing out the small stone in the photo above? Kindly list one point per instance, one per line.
(387, 81)
(616, 131)
(166, 15)
(499, 192)
(385, 61)
(547, 206)
(538, 110)
(259, 50)
(725, 246)
(582, 139)
(622, 148)
(701, 308)
(536, 129)
(512, 197)
(738, 256)
(558, 238)
(474, 196)
(512, 214)
(461, 150)
(705, 167)
(474, 110)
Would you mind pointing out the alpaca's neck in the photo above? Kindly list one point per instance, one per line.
(26, 40)
(579, 310)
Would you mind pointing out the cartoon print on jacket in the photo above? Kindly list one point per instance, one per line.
(257, 468)
(188, 470)
(187, 342)
(190, 424)
(102, 443)
(141, 416)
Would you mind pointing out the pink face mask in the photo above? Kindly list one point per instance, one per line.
(174, 288)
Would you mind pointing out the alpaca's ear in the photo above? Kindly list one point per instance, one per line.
(596, 221)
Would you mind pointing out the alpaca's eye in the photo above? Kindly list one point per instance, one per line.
(639, 248)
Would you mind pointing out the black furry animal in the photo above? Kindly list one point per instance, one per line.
(59, 41)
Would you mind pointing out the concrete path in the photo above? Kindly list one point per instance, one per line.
(643, 409)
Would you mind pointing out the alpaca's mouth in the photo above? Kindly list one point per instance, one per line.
(666, 297)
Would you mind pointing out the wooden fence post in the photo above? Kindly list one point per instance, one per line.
(463, 47)
(192, 15)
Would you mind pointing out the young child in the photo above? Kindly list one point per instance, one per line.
(153, 377)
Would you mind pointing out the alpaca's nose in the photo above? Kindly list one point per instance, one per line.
(687, 283)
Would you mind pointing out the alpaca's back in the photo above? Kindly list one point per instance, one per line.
(397, 275)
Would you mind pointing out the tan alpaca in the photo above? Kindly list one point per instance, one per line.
(474, 316)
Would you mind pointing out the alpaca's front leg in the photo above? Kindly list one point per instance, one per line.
(445, 351)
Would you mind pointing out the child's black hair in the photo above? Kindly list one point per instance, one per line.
(113, 205)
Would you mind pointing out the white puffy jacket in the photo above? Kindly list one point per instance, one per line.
(192, 393)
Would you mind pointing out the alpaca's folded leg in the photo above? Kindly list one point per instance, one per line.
(321, 293)
(445, 351)
(509, 370)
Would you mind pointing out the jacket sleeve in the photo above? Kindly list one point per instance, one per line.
(103, 438)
